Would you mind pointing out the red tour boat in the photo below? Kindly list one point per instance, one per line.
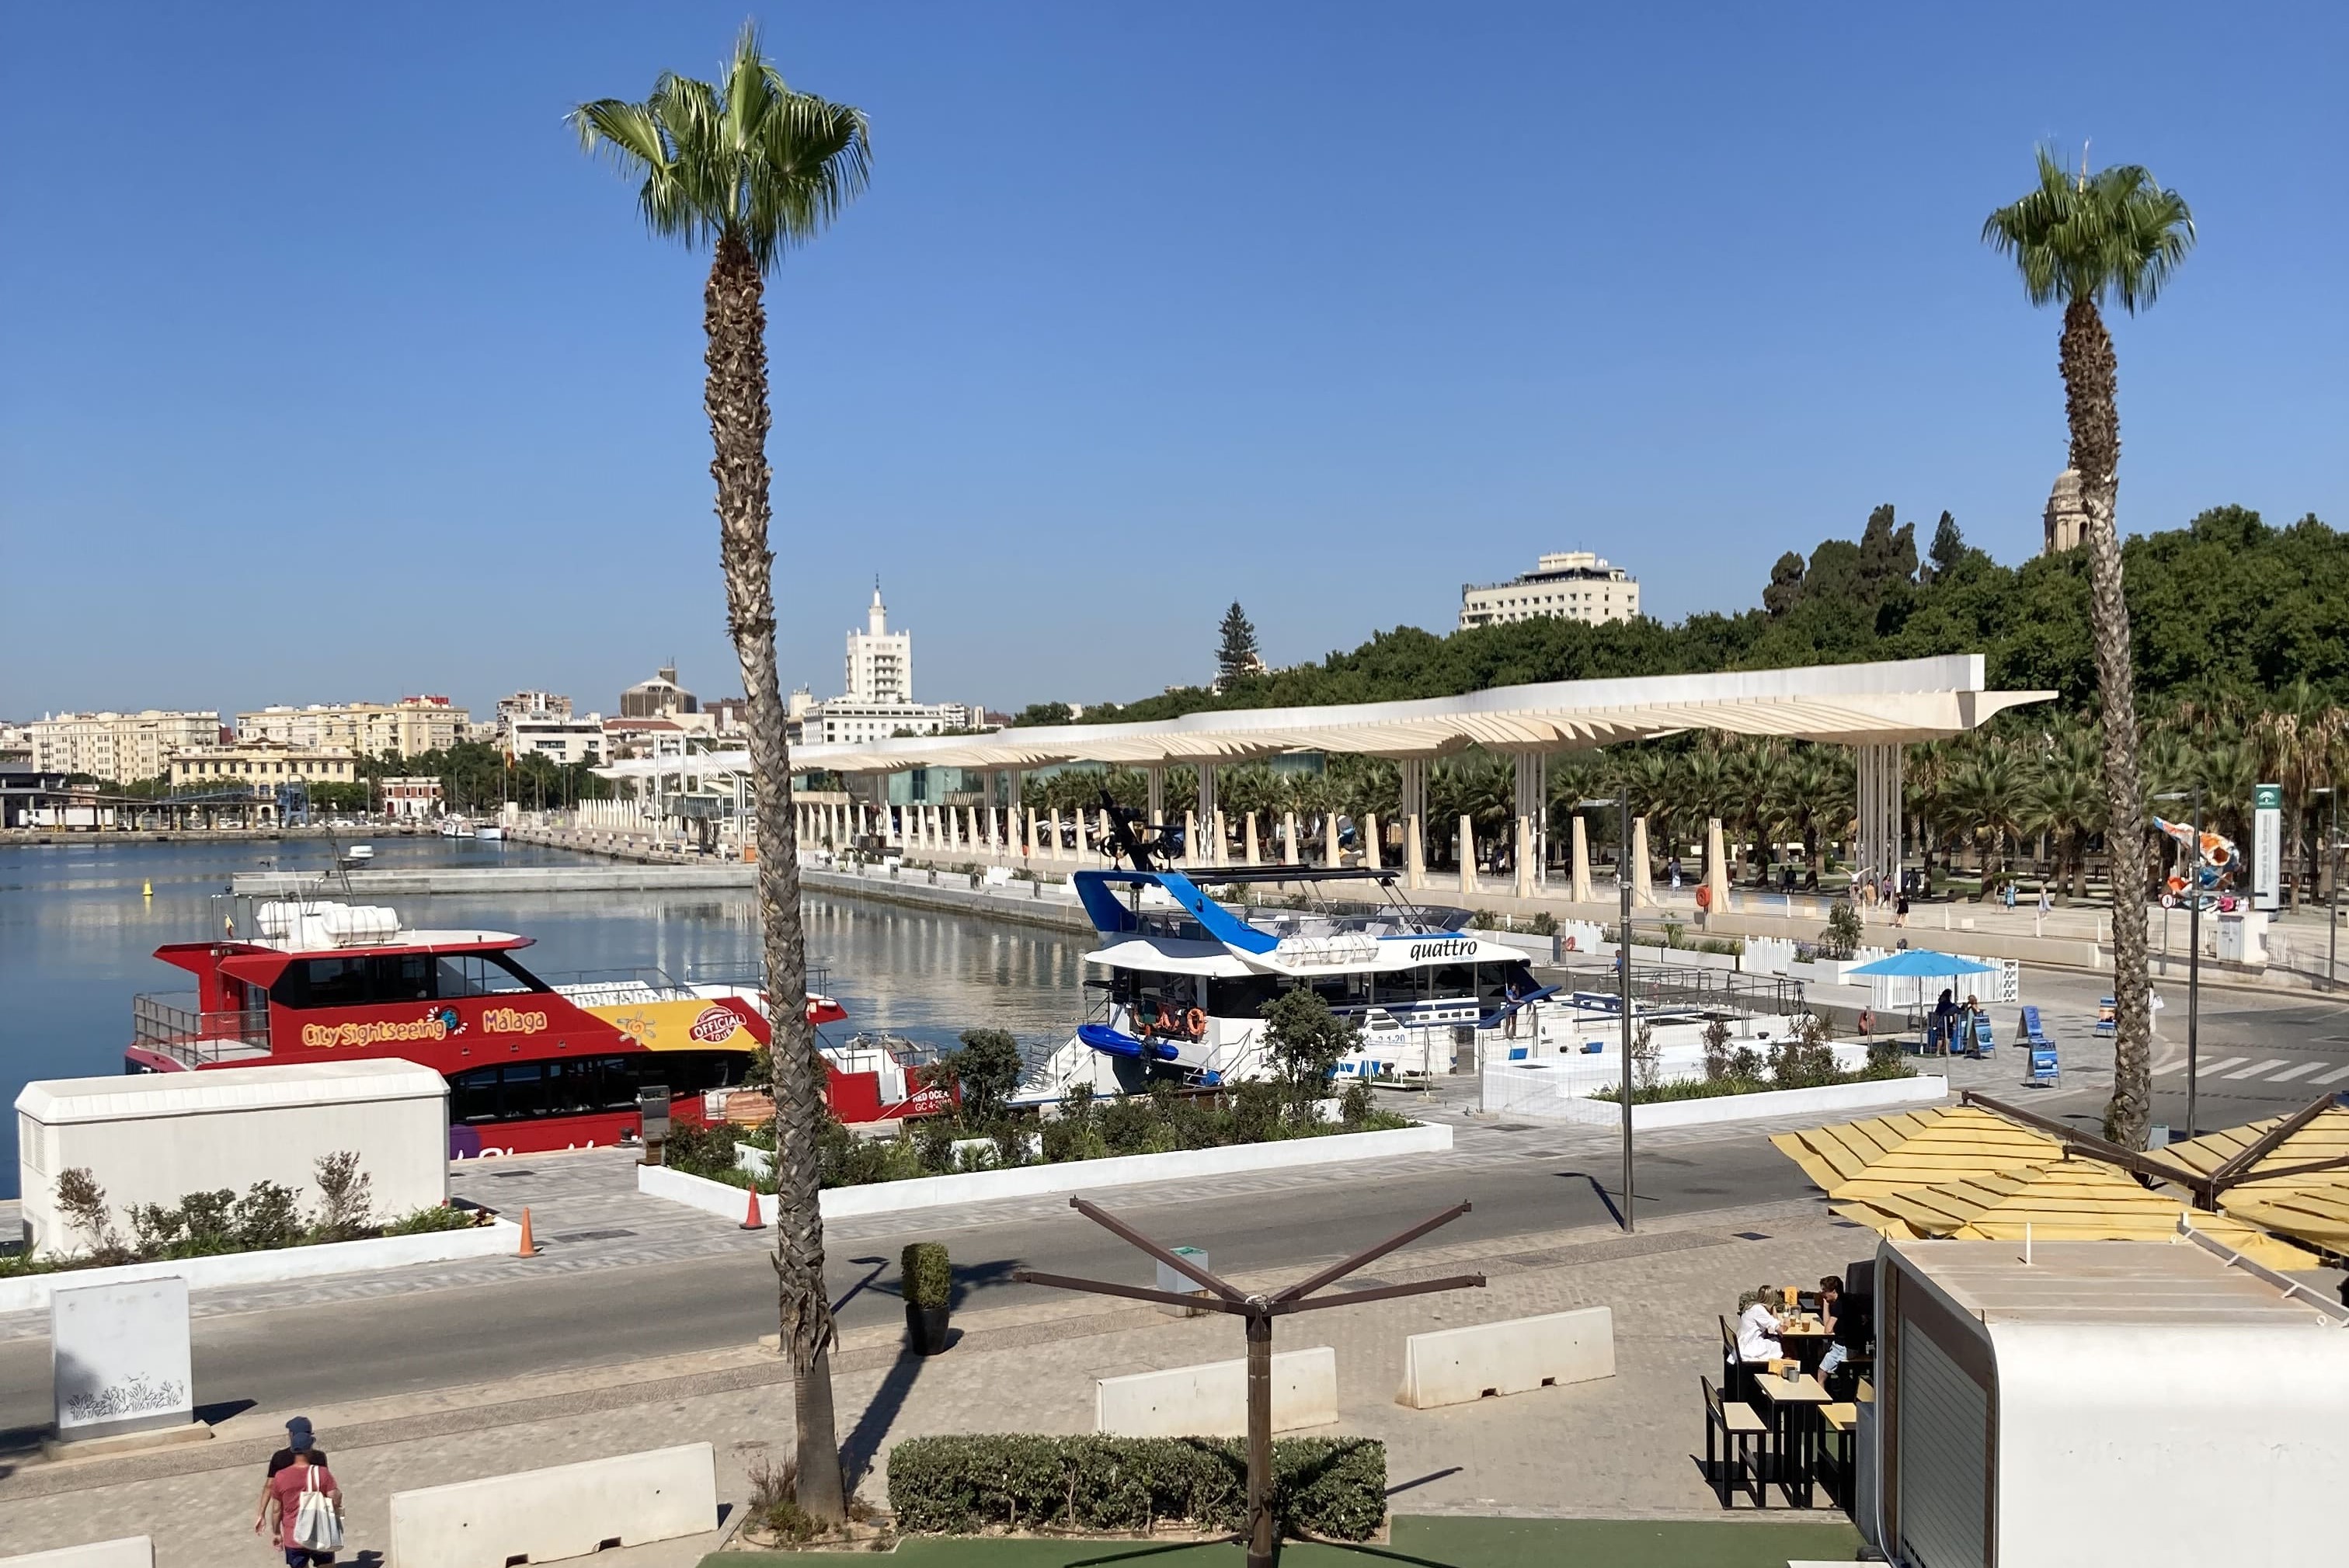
(530, 1066)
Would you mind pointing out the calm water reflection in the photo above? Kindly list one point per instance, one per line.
(78, 939)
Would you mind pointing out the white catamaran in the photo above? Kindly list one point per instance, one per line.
(1178, 987)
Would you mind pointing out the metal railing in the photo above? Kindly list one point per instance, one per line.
(1704, 990)
(194, 1035)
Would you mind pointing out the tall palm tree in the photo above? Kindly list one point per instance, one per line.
(750, 168)
(2064, 800)
(2076, 240)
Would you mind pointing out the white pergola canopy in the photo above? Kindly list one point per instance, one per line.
(1880, 704)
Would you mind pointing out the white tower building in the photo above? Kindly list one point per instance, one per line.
(880, 661)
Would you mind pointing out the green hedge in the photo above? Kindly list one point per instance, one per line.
(1335, 1488)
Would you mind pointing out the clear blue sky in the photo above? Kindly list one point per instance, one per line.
(334, 370)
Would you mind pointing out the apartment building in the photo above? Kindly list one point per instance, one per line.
(118, 747)
(408, 727)
(1570, 586)
(265, 762)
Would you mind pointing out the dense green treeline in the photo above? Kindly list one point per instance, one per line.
(2226, 613)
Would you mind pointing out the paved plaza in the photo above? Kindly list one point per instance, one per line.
(638, 1326)
(1620, 1448)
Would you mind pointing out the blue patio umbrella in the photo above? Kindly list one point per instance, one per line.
(1924, 963)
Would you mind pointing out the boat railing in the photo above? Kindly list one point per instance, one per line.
(749, 974)
(160, 1023)
(614, 988)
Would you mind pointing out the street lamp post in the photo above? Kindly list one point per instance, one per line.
(1623, 983)
(2193, 947)
(2332, 889)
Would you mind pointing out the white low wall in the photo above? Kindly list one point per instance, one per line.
(1531, 1086)
(499, 1237)
(568, 1511)
(1211, 1401)
(151, 1137)
(1035, 1180)
(1461, 1366)
(129, 1552)
(1834, 1099)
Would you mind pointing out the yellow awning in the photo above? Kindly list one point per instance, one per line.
(2311, 1206)
(2326, 1137)
(2296, 1206)
(1894, 1154)
(2066, 1200)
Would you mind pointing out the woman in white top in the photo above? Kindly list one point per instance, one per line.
(1758, 1329)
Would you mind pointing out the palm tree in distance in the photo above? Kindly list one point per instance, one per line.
(750, 168)
(2076, 239)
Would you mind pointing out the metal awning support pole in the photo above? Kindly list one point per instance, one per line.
(1258, 1311)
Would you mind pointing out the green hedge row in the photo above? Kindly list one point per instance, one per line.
(1335, 1488)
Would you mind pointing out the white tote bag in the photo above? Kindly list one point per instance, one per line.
(315, 1528)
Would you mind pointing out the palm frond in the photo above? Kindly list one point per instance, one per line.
(2080, 236)
(747, 157)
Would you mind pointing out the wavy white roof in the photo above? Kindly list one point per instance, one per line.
(1855, 704)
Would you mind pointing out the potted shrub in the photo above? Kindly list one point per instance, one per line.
(928, 1284)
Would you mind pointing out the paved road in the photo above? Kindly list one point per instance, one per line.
(337, 1351)
(2256, 1055)
(2259, 1057)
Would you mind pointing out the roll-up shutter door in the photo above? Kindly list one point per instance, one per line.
(1944, 1441)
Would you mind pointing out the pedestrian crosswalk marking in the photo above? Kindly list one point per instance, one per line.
(2178, 1067)
(2207, 1068)
(2295, 1072)
(2336, 1073)
(2256, 1069)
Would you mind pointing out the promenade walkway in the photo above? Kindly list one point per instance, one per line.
(1621, 1448)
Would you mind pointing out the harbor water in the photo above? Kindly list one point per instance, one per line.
(77, 935)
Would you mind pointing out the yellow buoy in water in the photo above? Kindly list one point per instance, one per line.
(146, 890)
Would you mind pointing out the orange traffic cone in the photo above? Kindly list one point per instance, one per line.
(528, 1248)
(751, 1222)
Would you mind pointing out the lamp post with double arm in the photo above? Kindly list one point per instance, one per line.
(1624, 981)
(2193, 945)
(2332, 887)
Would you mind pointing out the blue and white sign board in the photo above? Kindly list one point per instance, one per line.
(118, 1358)
(2045, 1072)
(2267, 846)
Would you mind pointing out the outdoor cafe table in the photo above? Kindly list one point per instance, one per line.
(1794, 1431)
(1805, 1342)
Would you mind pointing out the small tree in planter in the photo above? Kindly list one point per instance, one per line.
(1844, 932)
(928, 1281)
(1307, 1041)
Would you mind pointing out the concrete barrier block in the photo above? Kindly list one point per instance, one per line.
(1461, 1366)
(129, 1552)
(1211, 1401)
(567, 1511)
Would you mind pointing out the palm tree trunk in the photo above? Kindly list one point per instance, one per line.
(735, 319)
(2091, 400)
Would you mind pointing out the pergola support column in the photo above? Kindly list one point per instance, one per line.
(1525, 802)
(1877, 841)
(1205, 807)
(1411, 774)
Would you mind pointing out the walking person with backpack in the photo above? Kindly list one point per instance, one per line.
(303, 1507)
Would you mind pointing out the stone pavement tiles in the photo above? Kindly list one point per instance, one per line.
(1619, 1448)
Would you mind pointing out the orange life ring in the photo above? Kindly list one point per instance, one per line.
(1194, 1023)
(1704, 896)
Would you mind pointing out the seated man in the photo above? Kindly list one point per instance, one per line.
(1830, 1298)
(1758, 1328)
